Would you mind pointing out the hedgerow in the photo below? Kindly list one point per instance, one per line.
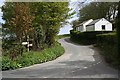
(107, 43)
(85, 37)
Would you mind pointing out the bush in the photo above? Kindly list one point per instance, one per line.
(33, 57)
(7, 43)
(15, 51)
(9, 64)
(108, 45)
(109, 38)
(86, 37)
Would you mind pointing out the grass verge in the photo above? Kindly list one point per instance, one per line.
(33, 57)
(62, 36)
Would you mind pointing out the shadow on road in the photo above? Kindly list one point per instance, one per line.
(76, 63)
(69, 41)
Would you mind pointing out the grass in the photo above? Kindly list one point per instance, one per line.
(113, 33)
(33, 57)
(62, 36)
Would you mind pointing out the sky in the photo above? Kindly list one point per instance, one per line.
(66, 28)
(75, 5)
(1, 3)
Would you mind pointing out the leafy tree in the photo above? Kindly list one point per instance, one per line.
(19, 19)
(97, 10)
(75, 23)
(49, 16)
(38, 21)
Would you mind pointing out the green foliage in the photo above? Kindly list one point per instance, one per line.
(62, 36)
(85, 37)
(108, 45)
(9, 64)
(75, 23)
(14, 51)
(39, 22)
(49, 16)
(109, 38)
(38, 42)
(99, 10)
(7, 43)
(33, 57)
(19, 20)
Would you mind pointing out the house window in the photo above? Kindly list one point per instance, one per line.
(103, 27)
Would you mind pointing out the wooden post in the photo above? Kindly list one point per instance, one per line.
(28, 43)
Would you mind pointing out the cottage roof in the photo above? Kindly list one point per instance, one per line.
(93, 22)
(82, 23)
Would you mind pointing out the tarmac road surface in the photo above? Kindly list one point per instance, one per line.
(78, 61)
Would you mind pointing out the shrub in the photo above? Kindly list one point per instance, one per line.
(7, 42)
(15, 51)
(33, 57)
(109, 38)
(86, 37)
(108, 44)
(9, 64)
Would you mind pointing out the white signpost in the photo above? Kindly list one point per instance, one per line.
(24, 43)
(27, 43)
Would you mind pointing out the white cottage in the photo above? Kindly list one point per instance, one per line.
(95, 25)
(99, 25)
(82, 27)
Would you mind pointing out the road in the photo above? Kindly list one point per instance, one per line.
(78, 61)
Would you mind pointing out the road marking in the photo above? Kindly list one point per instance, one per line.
(85, 67)
(44, 77)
